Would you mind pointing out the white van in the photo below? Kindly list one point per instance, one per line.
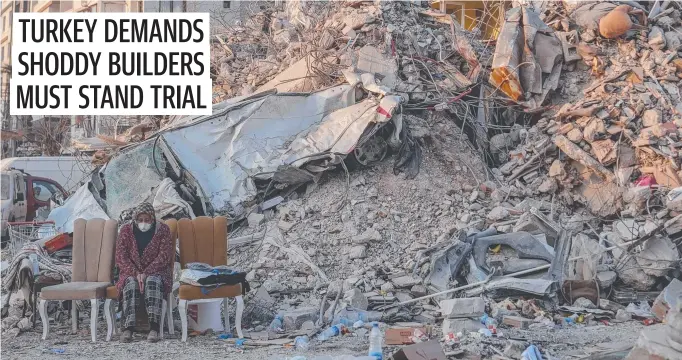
(69, 171)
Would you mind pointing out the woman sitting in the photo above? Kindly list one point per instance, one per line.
(143, 254)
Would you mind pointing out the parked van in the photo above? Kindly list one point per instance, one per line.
(22, 195)
(69, 171)
(28, 184)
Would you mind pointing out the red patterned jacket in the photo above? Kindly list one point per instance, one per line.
(156, 257)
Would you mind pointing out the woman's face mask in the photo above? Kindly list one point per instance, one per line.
(144, 222)
(144, 226)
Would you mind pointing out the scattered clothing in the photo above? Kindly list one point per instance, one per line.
(210, 277)
(50, 267)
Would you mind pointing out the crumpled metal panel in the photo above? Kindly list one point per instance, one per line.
(526, 48)
(81, 204)
(340, 131)
(130, 176)
(226, 151)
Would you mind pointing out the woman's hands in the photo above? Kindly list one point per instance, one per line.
(140, 280)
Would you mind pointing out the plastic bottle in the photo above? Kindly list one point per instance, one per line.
(330, 332)
(349, 316)
(485, 332)
(276, 324)
(302, 343)
(375, 342)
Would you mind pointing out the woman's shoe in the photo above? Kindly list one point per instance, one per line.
(153, 336)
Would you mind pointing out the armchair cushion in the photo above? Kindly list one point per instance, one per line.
(190, 292)
(75, 291)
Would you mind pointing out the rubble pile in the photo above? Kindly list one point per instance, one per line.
(610, 150)
(315, 41)
(533, 190)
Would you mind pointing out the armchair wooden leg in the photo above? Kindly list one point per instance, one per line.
(238, 316)
(164, 306)
(108, 316)
(43, 317)
(113, 318)
(182, 308)
(94, 312)
(226, 315)
(171, 305)
(74, 317)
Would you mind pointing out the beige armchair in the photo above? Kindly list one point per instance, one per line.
(92, 270)
(204, 239)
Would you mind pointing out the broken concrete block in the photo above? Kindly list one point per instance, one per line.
(370, 234)
(387, 286)
(667, 299)
(548, 186)
(334, 287)
(674, 225)
(514, 349)
(623, 315)
(627, 229)
(355, 21)
(406, 281)
(463, 307)
(25, 324)
(606, 278)
(497, 214)
(507, 168)
(358, 252)
(651, 117)
(255, 219)
(593, 129)
(575, 135)
(461, 325)
(672, 40)
(584, 303)
(355, 298)
(425, 318)
(526, 223)
(295, 318)
(418, 290)
(637, 197)
(654, 344)
(517, 321)
(674, 200)
(285, 225)
(609, 305)
(371, 60)
(403, 296)
(557, 168)
(473, 196)
(657, 38)
(657, 255)
(633, 276)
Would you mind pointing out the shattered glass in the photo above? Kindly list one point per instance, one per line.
(130, 177)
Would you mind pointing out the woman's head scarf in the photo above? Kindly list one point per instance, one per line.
(144, 208)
